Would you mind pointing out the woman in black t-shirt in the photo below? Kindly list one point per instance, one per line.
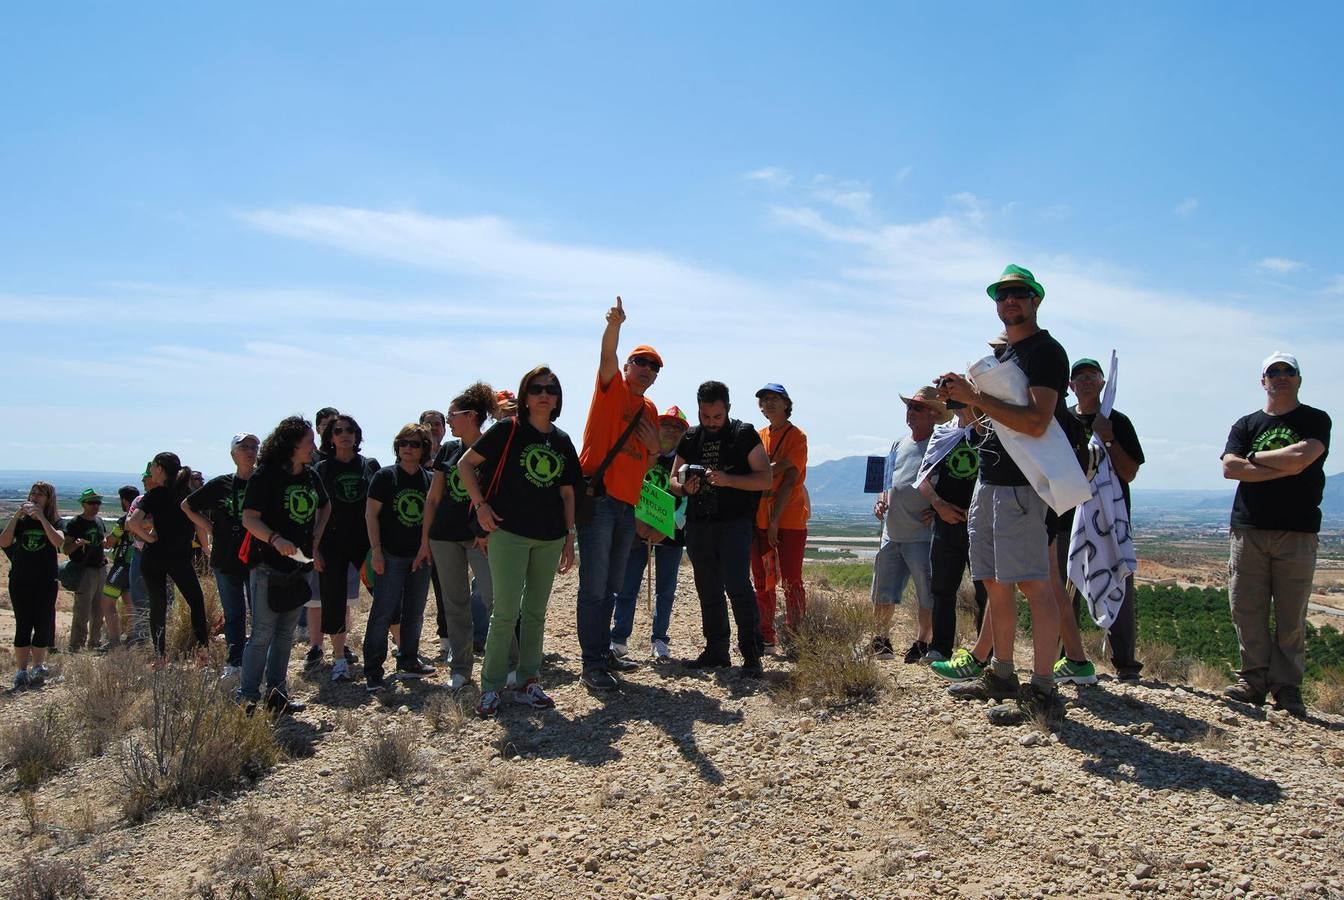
(395, 516)
(30, 540)
(529, 517)
(458, 554)
(168, 550)
(345, 475)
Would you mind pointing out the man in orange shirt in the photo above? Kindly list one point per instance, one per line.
(605, 540)
(781, 518)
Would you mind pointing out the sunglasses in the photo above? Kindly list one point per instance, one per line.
(341, 429)
(93, 503)
(458, 412)
(536, 390)
(646, 362)
(409, 442)
(1013, 293)
(1280, 372)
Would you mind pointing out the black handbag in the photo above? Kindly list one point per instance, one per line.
(287, 591)
(473, 521)
(591, 486)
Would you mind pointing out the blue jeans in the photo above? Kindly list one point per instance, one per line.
(233, 591)
(666, 562)
(139, 602)
(604, 547)
(397, 589)
(267, 650)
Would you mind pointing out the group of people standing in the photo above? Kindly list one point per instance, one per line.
(486, 520)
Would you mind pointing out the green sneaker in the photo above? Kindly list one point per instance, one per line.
(961, 667)
(1069, 672)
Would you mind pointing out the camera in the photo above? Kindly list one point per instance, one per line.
(950, 404)
(690, 470)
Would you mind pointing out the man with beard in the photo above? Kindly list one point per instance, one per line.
(1009, 544)
(722, 466)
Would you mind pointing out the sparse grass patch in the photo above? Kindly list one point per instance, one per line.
(180, 640)
(198, 743)
(833, 662)
(839, 576)
(37, 747)
(1214, 739)
(445, 713)
(1327, 694)
(389, 755)
(269, 884)
(48, 879)
(1161, 661)
(107, 695)
(1208, 677)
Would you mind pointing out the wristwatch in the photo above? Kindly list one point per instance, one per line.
(1250, 457)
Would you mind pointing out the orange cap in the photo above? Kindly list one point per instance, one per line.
(645, 350)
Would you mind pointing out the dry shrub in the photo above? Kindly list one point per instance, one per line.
(445, 713)
(264, 885)
(1327, 694)
(1161, 661)
(180, 640)
(1214, 738)
(833, 661)
(1207, 677)
(37, 747)
(198, 742)
(107, 695)
(48, 879)
(389, 755)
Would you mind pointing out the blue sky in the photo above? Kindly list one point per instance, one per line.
(214, 217)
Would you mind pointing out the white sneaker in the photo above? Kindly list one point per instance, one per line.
(340, 670)
(230, 672)
(661, 652)
(620, 650)
(512, 681)
(457, 682)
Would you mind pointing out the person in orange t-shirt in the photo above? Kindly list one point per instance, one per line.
(605, 540)
(781, 519)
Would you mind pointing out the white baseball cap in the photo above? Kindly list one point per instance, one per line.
(1278, 356)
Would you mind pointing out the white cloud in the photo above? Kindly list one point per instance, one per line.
(852, 196)
(1279, 264)
(1186, 207)
(770, 175)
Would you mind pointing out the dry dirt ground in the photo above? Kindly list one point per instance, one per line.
(687, 785)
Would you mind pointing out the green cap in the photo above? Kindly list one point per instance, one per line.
(1014, 274)
(89, 494)
(1084, 363)
(145, 474)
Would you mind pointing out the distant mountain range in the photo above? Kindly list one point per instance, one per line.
(839, 483)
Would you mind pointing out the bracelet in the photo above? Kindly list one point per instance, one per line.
(270, 541)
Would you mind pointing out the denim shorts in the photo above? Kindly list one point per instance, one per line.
(897, 563)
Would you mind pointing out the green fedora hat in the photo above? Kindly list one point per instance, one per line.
(1014, 274)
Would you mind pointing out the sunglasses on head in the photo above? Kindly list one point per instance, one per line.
(1013, 293)
(457, 412)
(411, 442)
(1280, 371)
(647, 362)
(536, 390)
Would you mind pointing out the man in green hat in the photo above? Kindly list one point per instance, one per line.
(85, 535)
(1007, 519)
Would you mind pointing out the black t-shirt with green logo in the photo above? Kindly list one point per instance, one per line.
(1292, 503)
(32, 557)
(289, 505)
(171, 525)
(401, 520)
(956, 474)
(536, 466)
(450, 519)
(347, 485)
(221, 500)
(727, 451)
(92, 530)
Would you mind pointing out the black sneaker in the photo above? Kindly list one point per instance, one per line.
(709, 660)
(620, 663)
(915, 653)
(415, 668)
(351, 657)
(881, 648)
(313, 659)
(375, 684)
(987, 687)
(1289, 699)
(599, 680)
(281, 704)
(751, 669)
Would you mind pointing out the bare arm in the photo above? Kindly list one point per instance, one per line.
(1031, 420)
(202, 525)
(567, 552)
(1236, 468)
(609, 366)
(1291, 460)
(138, 525)
(758, 479)
(432, 501)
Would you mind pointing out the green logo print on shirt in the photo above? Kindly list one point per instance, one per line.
(1275, 439)
(656, 476)
(349, 487)
(300, 503)
(32, 541)
(457, 491)
(542, 466)
(409, 505)
(963, 462)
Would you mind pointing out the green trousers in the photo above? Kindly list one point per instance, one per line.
(523, 570)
